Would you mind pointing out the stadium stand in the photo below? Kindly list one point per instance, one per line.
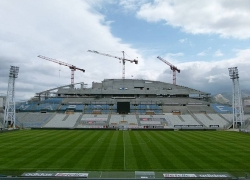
(63, 121)
(26, 107)
(171, 109)
(247, 109)
(123, 121)
(153, 121)
(189, 119)
(28, 120)
(93, 121)
(46, 107)
(183, 121)
(222, 109)
(149, 103)
(229, 117)
(200, 109)
(247, 125)
(207, 121)
(223, 123)
(54, 100)
(72, 107)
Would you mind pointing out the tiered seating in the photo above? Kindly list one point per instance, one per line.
(247, 125)
(157, 109)
(77, 100)
(63, 121)
(74, 107)
(26, 107)
(170, 109)
(183, 121)
(152, 121)
(53, 100)
(93, 121)
(208, 122)
(103, 108)
(113, 109)
(27, 120)
(177, 101)
(115, 119)
(246, 110)
(189, 119)
(200, 109)
(129, 121)
(143, 108)
(229, 117)
(218, 120)
(141, 111)
(47, 107)
(222, 109)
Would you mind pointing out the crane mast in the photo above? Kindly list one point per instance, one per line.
(120, 58)
(172, 67)
(71, 67)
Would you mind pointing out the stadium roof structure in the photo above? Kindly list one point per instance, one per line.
(125, 88)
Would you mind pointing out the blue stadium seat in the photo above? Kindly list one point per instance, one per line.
(53, 100)
(63, 107)
(26, 107)
(132, 107)
(141, 106)
(222, 109)
(47, 106)
(142, 111)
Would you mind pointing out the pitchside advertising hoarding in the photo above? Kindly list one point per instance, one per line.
(55, 174)
(197, 175)
(188, 126)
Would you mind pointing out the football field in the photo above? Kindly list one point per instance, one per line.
(110, 150)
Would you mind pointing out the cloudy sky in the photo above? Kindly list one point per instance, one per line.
(202, 38)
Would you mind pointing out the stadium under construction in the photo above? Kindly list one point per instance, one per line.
(123, 104)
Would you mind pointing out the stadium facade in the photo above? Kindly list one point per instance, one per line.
(123, 104)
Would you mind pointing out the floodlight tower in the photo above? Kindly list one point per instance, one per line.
(236, 98)
(10, 110)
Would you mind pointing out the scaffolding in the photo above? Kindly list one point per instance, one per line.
(10, 110)
(236, 98)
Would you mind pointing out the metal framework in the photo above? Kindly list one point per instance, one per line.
(122, 59)
(236, 98)
(10, 110)
(71, 67)
(172, 67)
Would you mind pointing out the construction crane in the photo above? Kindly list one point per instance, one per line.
(72, 67)
(172, 67)
(122, 59)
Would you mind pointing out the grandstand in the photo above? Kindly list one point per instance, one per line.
(123, 104)
(93, 121)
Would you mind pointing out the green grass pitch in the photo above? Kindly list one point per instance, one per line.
(99, 150)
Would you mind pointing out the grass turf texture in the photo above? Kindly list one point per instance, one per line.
(165, 151)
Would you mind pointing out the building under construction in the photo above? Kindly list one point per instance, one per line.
(122, 104)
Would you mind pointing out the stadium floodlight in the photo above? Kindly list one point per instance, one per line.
(10, 110)
(236, 98)
(233, 73)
